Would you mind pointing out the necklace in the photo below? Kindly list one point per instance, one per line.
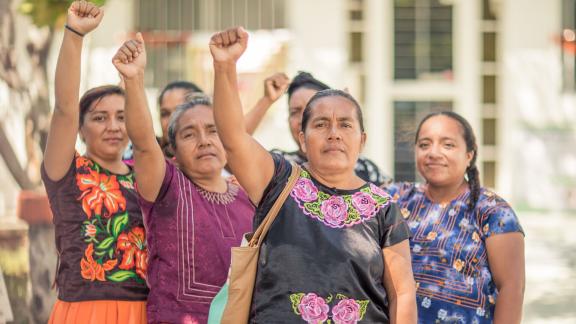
(217, 197)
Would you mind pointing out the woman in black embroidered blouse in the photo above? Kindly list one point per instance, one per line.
(338, 250)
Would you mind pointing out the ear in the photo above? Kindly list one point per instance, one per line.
(469, 157)
(363, 141)
(302, 141)
(81, 135)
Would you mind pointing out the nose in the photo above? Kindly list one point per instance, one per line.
(114, 124)
(203, 139)
(434, 151)
(334, 133)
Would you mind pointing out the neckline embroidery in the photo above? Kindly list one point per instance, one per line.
(219, 198)
(338, 211)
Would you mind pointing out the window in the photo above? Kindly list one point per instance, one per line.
(170, 22)
(407, 116)
(423, 39)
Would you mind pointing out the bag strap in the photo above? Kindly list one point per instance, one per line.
(262, 229)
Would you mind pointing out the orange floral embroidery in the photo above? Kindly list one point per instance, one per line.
(82, 162)
(100, 190)
(92, 270)
(133, 245)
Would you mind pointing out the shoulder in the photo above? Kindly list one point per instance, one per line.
(401, 191)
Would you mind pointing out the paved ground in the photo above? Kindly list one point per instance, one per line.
(550, 268)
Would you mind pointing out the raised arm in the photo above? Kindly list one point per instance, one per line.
(149, 165)
(274, 87)
(249, 161)
(506, 261)
(399, 283)
(82, 18)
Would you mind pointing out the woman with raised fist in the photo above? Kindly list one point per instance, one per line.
(100, 235)
(338, 250)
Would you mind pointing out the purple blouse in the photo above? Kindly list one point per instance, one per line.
(190, 233)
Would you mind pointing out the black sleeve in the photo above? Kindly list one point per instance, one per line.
(393, 229)
(282, 170)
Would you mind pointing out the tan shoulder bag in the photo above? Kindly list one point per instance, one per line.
(245, 261)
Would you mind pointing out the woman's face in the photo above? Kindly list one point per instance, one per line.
(171, 99)
(441, 153)
(333, 139)
(296, 105)
(199, 150)
(103, 128)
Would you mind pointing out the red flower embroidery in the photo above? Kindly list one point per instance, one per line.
(92, 270)
(100, 190)
(83, 162)
(133, 245)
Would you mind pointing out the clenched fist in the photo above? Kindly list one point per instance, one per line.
(84, 16)
(227, 46)
(130, 60)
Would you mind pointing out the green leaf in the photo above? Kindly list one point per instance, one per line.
(340, 296)
(121, 275)
(105, 244)
(363, 305)
(100, 253)
(118, 224)
(295, 299)
(111, 253)
(329, 299)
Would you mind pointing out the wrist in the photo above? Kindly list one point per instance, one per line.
(266, 100)
(224, 66)
(134, 79)
(73, 31)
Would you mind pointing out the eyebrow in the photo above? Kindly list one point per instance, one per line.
(441, 139)
(324, 118)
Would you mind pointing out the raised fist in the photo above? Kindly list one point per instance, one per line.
(227, 46)
(84, 16)
(130, 60)
(275, 86)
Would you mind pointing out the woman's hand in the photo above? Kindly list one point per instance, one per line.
(84, 16)
(130, 60)
(227, 46)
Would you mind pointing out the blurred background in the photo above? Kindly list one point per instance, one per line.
(508, 66)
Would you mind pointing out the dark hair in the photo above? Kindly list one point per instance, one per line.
(305, 80)
(184, 85)
(331, 93)
(197, 100)
(472, 170)
(94, 95)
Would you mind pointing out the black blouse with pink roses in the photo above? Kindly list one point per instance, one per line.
(322, 259)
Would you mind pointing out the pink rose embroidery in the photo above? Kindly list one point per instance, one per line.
(335, 211)
(346, 312)
(377, 190)
(305, 190)
(364, 203)
(313, 309)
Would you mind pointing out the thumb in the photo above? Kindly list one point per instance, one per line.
(100, 15)
(242, 35)
(140, 40)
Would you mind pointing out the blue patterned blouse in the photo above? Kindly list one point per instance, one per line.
(449, 257)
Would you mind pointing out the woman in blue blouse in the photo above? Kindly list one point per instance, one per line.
(467, 244)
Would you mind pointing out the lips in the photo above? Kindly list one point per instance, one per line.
(113, 140)
(205, 155)
(332, 149)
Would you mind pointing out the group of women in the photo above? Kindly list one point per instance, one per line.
(148, 240)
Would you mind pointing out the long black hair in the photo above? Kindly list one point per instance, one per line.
(188, 87)
(472, 174)
(307, 81)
